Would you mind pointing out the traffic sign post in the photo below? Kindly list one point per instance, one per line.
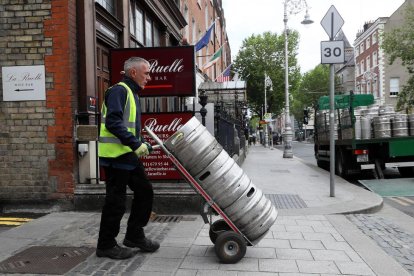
(332, 52)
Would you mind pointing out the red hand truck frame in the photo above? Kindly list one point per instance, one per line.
(229, 242)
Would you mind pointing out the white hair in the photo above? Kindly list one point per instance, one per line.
(132, 62)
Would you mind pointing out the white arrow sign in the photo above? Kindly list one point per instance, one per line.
(332, 22)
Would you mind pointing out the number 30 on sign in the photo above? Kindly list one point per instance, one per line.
(332, 52)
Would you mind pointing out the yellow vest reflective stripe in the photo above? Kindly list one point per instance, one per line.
(109, 144)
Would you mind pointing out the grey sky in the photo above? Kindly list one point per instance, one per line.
(245, 17)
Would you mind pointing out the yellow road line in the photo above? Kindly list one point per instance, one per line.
(11, 223)
(399, 201)
(406, 199)
(15, 219)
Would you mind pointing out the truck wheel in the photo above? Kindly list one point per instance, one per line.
(341, 167)
(216, 228)
(406, 171)
(230, 247)
(322, 164)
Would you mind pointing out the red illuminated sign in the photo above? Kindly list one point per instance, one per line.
(157, 165)
(172, 69)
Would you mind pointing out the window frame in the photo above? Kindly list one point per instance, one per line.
(396, 86)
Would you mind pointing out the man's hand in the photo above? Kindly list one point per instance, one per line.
(150, 148)
(142, 150)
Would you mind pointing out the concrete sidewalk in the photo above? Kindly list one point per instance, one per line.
(291, 176)
(309, 238)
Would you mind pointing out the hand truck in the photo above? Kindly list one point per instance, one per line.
(230, 243)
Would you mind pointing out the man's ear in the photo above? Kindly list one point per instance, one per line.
(133, 72)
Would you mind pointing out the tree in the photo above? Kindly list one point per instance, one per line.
(313, 85)
(262, 54)
(399, 44)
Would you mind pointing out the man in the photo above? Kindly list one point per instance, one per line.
(120, 147)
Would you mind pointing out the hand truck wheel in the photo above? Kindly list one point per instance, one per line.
(216, 228)
(230, 247)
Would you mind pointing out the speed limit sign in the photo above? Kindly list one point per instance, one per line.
(332, 52)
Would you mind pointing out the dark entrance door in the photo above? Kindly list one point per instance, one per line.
(102, 71)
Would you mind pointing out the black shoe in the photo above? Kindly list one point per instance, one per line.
(144, 244)
(115, 252)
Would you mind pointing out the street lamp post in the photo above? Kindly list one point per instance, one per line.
(294, 7)
(267, 82)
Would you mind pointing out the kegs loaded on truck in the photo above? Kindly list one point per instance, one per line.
(367, 136)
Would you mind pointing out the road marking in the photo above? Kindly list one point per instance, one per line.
(13, 221)
(399, 201)
(406, 199)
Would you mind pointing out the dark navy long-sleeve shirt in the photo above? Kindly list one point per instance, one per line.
(115, 99)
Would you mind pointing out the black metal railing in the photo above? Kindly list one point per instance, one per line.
(229, 131)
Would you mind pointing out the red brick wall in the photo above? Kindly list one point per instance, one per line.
(61, 64)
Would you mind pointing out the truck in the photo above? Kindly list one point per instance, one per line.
(367, 136)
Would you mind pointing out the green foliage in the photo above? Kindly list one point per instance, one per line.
(254, 122)
(314, 84)
(264, 53)
(406, 97)
(399, 44)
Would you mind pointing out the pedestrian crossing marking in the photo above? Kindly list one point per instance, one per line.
(399, 201)
(13, 221)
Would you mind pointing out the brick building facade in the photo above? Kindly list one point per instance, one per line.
(369, 60)
(39, 160)
(37, 152)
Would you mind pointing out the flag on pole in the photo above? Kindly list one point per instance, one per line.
(214, 58)
(205, 39)
(225, 76)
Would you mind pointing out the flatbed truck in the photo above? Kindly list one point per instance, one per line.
(352, 153)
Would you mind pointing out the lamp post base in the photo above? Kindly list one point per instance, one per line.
(287, 143)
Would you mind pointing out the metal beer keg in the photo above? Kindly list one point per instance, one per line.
(399, 125)
(193, 146)
(223, 180)
(382, 126)
(411, 124)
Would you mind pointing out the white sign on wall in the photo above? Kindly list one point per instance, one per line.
(24, 83)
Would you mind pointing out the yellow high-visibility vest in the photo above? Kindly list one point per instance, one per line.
(109, 144)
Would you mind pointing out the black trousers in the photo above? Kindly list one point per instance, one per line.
(115, 205)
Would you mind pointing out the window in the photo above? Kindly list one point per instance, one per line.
(394, 87)
(356, 50)
(363, 66)
(108, 5)
(148, 32)
(368, 42)
(374, 59)
(144, 31)
(157, 36)
(193, 32)
(368, 63)
(361, 48)
(206, 16)
(139, 24)
(374, 38)
(131, 21)
(187, 18)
